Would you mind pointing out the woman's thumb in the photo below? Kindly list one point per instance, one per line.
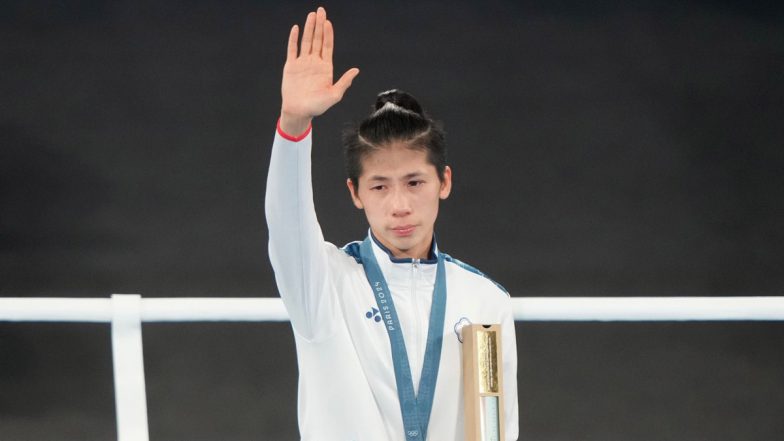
(345, 81)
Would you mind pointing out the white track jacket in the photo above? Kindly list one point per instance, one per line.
(347, 389)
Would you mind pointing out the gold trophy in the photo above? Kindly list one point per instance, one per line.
(483, 383)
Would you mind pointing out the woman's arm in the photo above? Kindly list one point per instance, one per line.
(296, 246)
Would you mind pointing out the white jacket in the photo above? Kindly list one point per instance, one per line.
(347, 388)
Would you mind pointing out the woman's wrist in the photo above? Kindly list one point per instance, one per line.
(293, 129)
(294, 126)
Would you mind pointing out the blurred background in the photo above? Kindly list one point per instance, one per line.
(599, 149)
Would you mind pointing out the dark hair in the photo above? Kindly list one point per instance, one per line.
(397, 116)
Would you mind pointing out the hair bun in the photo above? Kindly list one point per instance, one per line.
(398, 98)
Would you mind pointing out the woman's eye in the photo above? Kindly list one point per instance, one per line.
(415, 183)
(377, 187)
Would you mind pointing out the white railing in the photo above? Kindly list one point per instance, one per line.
(126, 312)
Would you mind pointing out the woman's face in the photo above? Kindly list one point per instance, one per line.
(400, 191)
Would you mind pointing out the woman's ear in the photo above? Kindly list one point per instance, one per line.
(354, 194)
(446, 183)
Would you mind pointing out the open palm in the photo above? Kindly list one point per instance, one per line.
(307, 88)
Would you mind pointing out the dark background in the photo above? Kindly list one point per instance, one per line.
(599, 148)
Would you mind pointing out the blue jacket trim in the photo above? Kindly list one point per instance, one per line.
(352, 249)
(469, 268)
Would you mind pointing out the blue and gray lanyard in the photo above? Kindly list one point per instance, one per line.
(415, 408)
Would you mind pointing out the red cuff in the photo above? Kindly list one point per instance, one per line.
(294, 138)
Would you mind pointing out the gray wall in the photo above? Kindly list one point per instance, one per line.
(598, 150)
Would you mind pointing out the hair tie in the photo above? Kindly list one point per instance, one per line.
(389, 105)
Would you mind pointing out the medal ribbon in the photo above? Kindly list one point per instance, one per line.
(415, 408)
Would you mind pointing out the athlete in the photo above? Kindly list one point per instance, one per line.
(376, 323)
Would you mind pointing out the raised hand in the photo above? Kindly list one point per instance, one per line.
(307, 87)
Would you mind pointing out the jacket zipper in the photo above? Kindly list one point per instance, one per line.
(417, 328)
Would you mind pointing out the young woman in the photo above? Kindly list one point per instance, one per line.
(376, 323)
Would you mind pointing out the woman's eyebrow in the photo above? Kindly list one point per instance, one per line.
(407, 176)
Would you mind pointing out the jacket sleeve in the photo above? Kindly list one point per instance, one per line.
(509, 343)
(297, 249)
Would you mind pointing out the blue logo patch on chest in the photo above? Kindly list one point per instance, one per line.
(373, 314)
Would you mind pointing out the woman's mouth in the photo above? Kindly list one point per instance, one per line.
(403, 231)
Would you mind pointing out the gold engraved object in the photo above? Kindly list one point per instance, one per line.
(483, 383)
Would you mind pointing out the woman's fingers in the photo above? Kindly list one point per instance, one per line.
(291, 53)
(318, 34)
(329, 41)
(307, 83)
(307, 34)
